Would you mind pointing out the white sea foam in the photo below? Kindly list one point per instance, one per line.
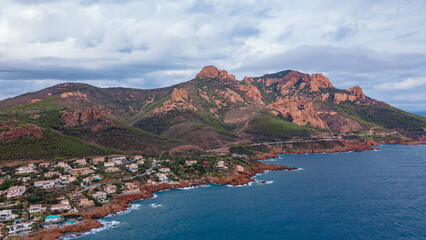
(188, 188)
(154, 205)
(299, 169)
(105, 225)
(155, 196)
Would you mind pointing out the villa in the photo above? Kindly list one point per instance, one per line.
(26, 169)
(221, 164)
(84, 202)
(240, 168)
(164, 169)
(6, 215)
(51, 174)
(81, 161)
(16, 191)
(100, 196)
(131, 187)
(110, 189)
(109, 164)
(133, 167)
(98, 160)
(20, 227)
(138, 157)
(53, 219)
(63, 206)
(36, 208)
(82, 171)
(45, 184)
(191, 162)
(112, 169)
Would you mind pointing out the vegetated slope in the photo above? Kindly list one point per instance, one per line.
(211, 111)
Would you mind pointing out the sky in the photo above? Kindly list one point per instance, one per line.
(378, 45)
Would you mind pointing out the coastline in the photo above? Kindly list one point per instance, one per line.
(122, 202)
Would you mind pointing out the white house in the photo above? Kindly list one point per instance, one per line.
(45, 184)
(16, 191)
(6, 215)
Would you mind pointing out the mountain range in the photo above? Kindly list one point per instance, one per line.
(211, 111)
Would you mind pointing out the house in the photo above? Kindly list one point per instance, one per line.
(164, 169)
(131, 187)
(140, 162)
(132, 167)
(36, 208)
(6, 215)
(66, 179)
(20, 227)
(109, 164)
(63, 206)
(81, 161)
(45, 184)
(52, 219)
(84, 202)
(65, 166)
(24, 179)
(91, 178)
(162, 177)
(110, 189)
(138, 157)
(16, 191)
(221, 164)
(2, 180)
(191, 162)
(81, 171)
(240, 168)
(119, 160)
(98, 160)
(100, 196)
(26, 169)
(112, 169)
(51, 174)
(46, 165)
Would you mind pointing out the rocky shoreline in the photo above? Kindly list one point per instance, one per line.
(121, 202)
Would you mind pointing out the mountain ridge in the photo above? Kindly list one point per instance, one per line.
(212, 110)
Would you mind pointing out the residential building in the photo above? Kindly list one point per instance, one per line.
(81, 161)
(51, 174)
(84, 202)
(26, 169)
(36, 208)
(110, 189)
(131, 187)
(240, 168)
(91, 178)
(140, 162)
(66, 179)
(16, 191)
(191, 162)
(162, 177)
(65, 166)
(138, 157)
(119, 160)
(221, 164)
(109, 164)
(51, 219)
(6, 215)
(132, 167)
(112, 169)
(164, 169)
(100, 196)
(24, 179)
(63, 206)
(46, 165)
(81, 171)
(98, 160)
(45, 184)
(20, 227)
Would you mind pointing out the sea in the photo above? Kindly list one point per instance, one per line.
(354, 195)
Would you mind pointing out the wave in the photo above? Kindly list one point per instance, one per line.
(129, 209)
(105, 225)
(245, 185)
(154, 205)
(155, 196)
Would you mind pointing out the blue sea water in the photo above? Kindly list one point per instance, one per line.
(356, 195)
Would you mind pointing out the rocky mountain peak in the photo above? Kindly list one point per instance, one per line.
(319, 81)
(213, 72)
(357, 91)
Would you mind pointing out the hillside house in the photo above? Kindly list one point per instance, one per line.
(112, 169)
(191, 162)
(16, 191)
(63, 206)
(132, 167)
(6, 215)
(98, 160)
(84, 202)
(100, 196)
(45, 184)
(36, 208)
(164, 170)
(26, 169)
(109, 164)
(81, 161)
(110, 189)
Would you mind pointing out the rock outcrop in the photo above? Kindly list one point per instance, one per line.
(253, 93)
(210, 72)
(89, 117)
(319, 81)
(178, 101)
(299, 111)
(24, 131)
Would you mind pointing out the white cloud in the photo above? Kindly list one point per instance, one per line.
(409, 83)
(166, 42)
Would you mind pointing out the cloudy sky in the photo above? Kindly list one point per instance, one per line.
(378, 45)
